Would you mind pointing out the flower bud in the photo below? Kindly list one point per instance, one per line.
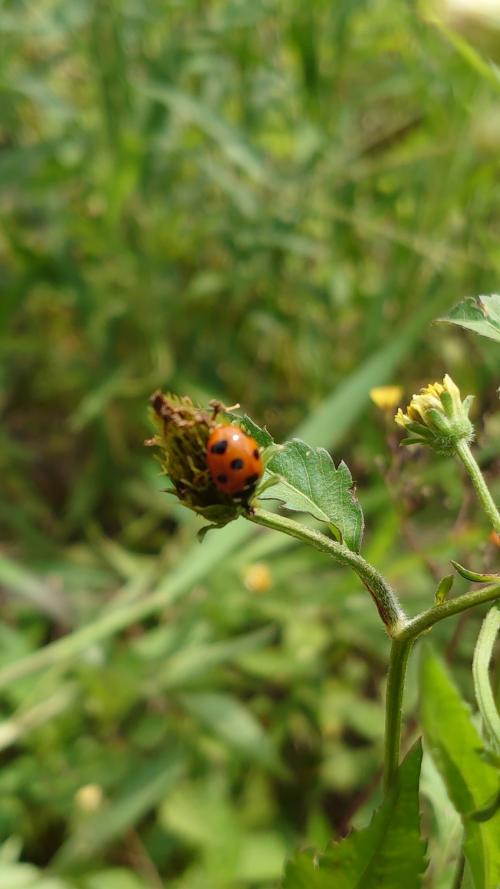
(182, 434)
(437, 417)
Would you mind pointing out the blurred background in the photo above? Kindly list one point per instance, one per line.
(266, 203)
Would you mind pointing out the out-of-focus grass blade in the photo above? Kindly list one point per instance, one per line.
(23, 722)
(195, 661)
(228, 719)
(20, 582)
(334, 417)
(147, 788)
(230, 141)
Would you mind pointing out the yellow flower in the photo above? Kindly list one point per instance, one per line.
(437, 417)
(386, 397)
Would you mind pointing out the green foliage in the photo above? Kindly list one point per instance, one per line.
(309, 482)
(443, 588)
(478, 313)
(471, 782)
(482, 686)
(389, 852)
(253, 201)
(474, 576)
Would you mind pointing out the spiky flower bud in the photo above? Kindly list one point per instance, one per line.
(182, 434)
(437, 417)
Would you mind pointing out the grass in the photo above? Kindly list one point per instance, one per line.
(265, 204)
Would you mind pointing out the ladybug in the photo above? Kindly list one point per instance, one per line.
(234, 460)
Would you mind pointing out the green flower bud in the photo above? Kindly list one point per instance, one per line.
(182, 434)
(437, 417)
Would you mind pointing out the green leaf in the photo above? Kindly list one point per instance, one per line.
(443, 588)
(478, 313)
(263, 438)
(311, 483)
(473, 575)
(234, 724)
(26, 876)
(480, 666)
(115, 878)
(472, 783)
(389, 853)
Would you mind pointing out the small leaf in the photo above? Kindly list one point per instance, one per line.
(482, 686)
(473, 575)
(478, 313)
(472, 783)
(234, 724)
(388, 853)
(309, 482)
(263, 438)
(489, 810)
(443, 589)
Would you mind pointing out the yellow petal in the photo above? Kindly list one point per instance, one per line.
(386, 397)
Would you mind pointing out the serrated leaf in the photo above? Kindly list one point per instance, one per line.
(472, 783)
(482, 686)
(388, 853)
(309, 482)
(478, 313)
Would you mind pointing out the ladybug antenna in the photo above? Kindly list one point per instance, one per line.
(219, 407)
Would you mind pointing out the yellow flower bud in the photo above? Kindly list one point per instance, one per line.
(437, 417)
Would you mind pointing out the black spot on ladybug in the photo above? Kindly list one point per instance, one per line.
(220, 447)
(251, 479)
(237, 463)
(222, 479)
(256, 454)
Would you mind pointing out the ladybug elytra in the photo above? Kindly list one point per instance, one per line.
(233, 459)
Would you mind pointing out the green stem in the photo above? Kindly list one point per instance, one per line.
(427, 619)
(400, 651)
(464, 452)
(480, 671)
(402, 643)
(383, 595)
(404, 631)
(459, 872)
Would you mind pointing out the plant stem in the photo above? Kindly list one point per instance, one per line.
(401, 646)
(417, 625)
(404, 631)
(400, 651)
(459, 872)
(383, 595)
(480, 665)
(464, 452)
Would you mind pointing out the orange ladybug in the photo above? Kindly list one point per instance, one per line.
(234, 460)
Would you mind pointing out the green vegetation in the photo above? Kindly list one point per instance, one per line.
(265, 203)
